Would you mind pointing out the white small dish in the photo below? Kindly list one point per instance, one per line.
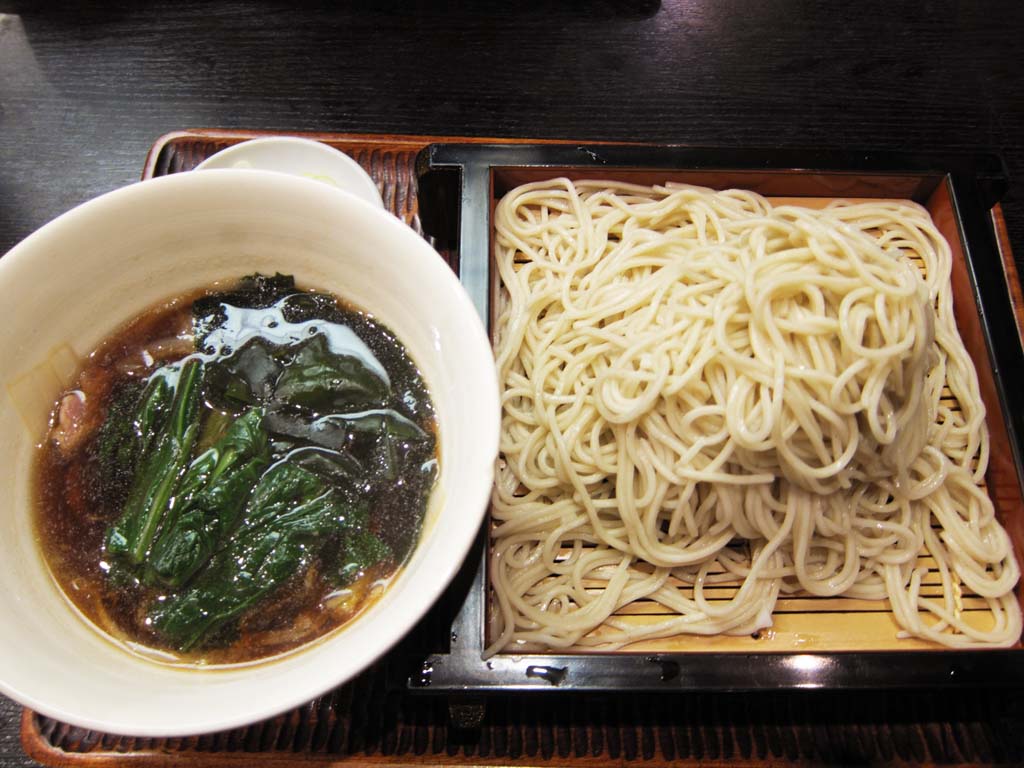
(299, 157)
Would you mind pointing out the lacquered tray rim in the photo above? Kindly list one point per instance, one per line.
(463, 669)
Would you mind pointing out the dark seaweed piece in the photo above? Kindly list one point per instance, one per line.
(135, 416)
(382, 437)
(116, 449)
(246, 377)
(338, 430)
(308, 375)
(387, 439)
(323, 381)
(340, 468)
(160, 467)
(210, 498)
(287, 520)
(302, 307)
(254, 291)
(391, 436)
(293, 425)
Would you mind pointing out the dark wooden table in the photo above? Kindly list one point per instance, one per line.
(85, 88)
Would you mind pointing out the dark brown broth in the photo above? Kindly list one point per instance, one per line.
(73, 511)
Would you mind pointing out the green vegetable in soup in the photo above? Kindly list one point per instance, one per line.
(210, 497)
(157, 401)
(290, 513)
(361, 551)
(254, 463)
(159, 468)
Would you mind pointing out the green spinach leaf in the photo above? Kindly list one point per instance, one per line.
(290, 514)
(210, 497)
(160, 468)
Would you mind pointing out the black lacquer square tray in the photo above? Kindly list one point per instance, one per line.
(815, 643)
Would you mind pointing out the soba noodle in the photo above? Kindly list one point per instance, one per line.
(701, 388)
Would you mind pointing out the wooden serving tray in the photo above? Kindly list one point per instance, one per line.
(370, 721)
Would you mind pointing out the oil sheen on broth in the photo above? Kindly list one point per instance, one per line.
(235, 473)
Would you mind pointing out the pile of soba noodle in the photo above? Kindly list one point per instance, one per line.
(700, 388)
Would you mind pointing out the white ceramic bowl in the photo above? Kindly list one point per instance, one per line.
(300, 157)
(78, 278)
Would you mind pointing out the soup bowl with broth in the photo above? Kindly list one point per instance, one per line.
(92, 299)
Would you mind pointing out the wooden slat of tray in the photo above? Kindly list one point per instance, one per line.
(358, 725)
(362, 724)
